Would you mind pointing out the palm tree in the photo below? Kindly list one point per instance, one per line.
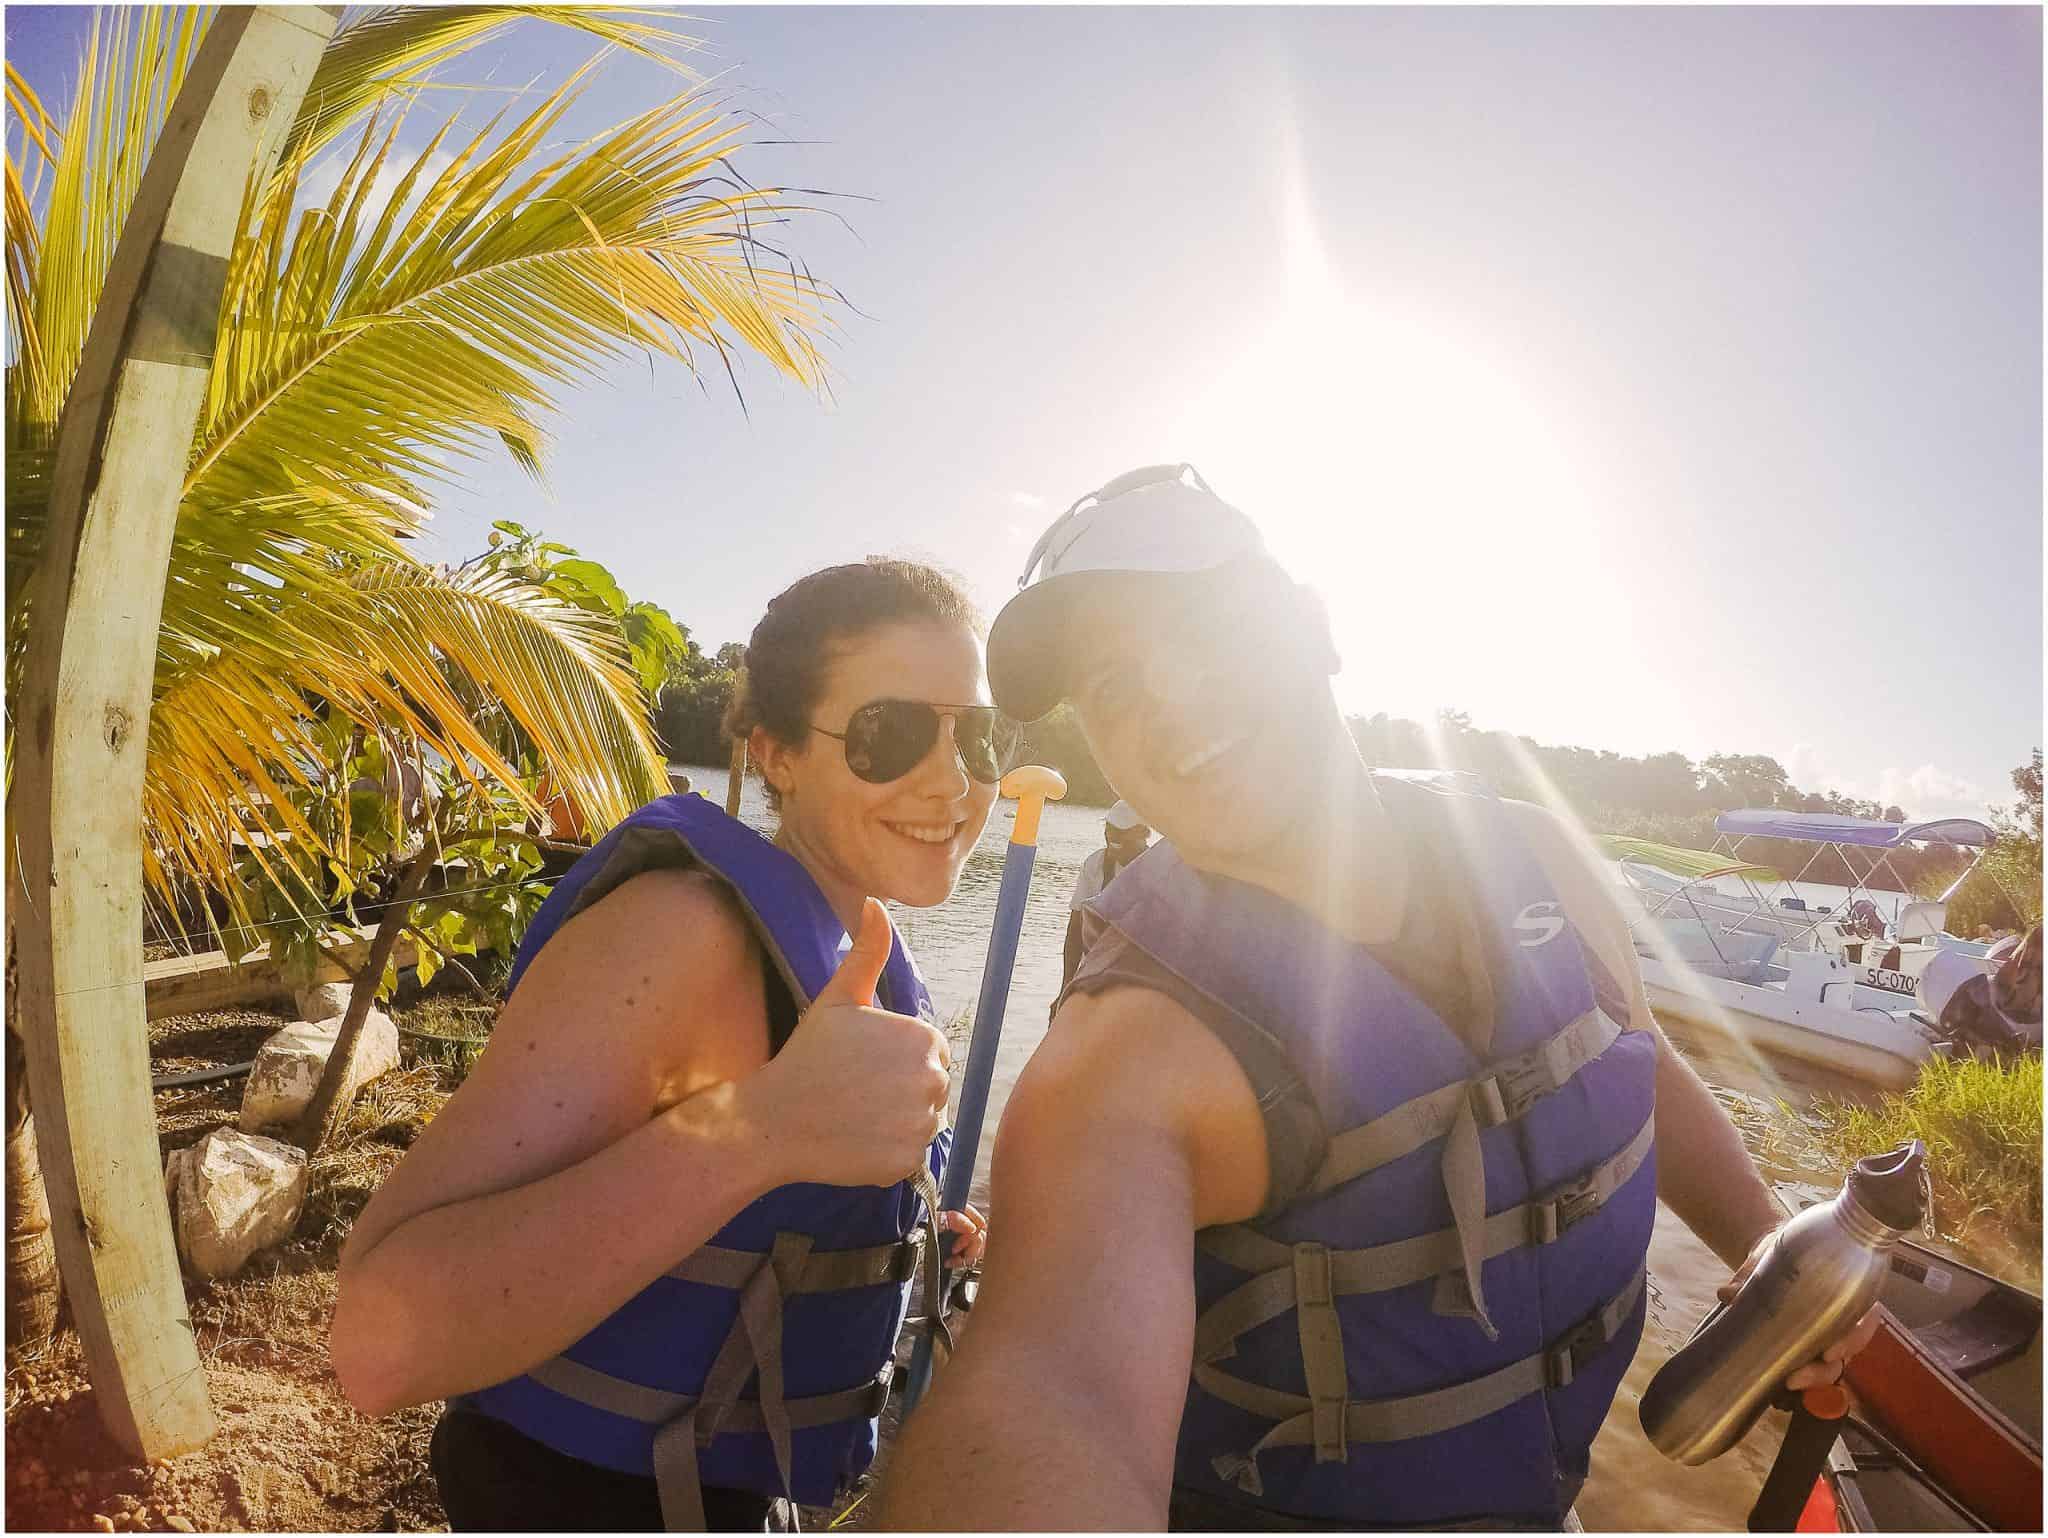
(370, 344)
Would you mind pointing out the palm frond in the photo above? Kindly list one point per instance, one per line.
(366, 345)
(24, 241)
(383, 350)
(387, 51)
(133, 65)
(404, 649)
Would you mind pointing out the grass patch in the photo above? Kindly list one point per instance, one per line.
(1981, 1122)
(446, 1031)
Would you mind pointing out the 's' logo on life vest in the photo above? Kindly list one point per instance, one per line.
(1540, 923)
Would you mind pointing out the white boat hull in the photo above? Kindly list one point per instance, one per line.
(1884, 1047)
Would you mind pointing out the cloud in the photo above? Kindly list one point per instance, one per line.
(1931, 788)
(1928, 791)
(1031, 502)
(319, 182)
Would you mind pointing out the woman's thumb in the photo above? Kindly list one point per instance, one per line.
(854, 982)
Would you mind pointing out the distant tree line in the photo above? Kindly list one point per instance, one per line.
(1666, 797)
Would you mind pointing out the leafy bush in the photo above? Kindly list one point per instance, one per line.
(375, 811)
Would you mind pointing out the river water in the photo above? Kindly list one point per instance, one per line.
(1633, 1487)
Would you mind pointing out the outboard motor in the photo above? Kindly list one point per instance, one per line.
(1995, 1015)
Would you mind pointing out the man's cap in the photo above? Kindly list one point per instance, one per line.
(1145, 528)
(1123, 818)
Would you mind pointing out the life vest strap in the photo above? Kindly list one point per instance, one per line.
(934, 1260)
(1274, 1289)
(654, 1407)
(823, 1271)
(1504, 1092)
(1416, 1415)
(687, 1422)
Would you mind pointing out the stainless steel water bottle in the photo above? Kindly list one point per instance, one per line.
(1821, 1272)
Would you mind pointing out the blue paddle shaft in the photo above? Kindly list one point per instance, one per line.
(981, 1072)
(988, 1021)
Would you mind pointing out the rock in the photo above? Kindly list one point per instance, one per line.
(231, 1195)
(289, 1064)
(102, 1522)
(322, 1001)
(178, 1524)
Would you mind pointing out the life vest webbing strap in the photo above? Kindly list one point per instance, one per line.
(1417, 1415)
(687, 1422)
(655, 1407)
(1384, 1267)
(754, 1342)
(1322, 1350)
(1501, 1094)
(824, 1271)
(934, 1261)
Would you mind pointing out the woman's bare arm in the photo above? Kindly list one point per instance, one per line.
(554, 1185)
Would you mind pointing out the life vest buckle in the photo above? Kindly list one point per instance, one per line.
(1512, 1087)
(878, 1392)
(1489, 1104)
(1560, 1211)
(1579, 1344)
(903, 1262)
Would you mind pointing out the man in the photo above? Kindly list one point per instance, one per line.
(1124, 838)
(1336, 1170)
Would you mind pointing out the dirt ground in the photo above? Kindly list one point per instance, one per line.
(291, 1454)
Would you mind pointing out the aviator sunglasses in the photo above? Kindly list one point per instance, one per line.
(886, 739)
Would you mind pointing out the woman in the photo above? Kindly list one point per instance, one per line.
(681, 1166)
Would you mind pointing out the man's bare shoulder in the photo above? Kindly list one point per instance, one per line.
(1128, 1063)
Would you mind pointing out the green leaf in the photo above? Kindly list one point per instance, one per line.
(591, 583)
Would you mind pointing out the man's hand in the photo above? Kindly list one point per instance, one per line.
(970, 1231)
(1828, 1366)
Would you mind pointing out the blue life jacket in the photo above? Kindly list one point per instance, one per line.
(1432, 1331)
(762, 1361)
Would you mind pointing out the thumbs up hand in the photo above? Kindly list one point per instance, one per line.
(857, 1093)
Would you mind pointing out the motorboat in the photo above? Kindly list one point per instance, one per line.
(1894, 951)
(1840, 987)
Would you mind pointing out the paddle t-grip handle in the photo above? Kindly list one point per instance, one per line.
(1031, 786)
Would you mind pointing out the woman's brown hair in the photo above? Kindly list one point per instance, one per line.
(809, 621)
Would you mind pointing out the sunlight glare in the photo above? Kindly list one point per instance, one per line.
(1401, 469)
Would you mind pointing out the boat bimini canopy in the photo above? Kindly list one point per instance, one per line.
(1828, 828)
(1831, 831)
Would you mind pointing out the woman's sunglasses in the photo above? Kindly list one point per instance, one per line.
(886, 739)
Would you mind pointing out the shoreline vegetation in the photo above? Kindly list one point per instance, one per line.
(1981, 1122)
(1666, 798)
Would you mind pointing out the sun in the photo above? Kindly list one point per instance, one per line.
(1442, 509)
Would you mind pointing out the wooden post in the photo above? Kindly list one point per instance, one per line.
(122, 446)
(739, 773)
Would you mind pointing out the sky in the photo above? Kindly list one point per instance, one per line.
(1639, 379)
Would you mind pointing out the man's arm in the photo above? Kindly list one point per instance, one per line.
(1131, 1127)
(1704, 1174)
